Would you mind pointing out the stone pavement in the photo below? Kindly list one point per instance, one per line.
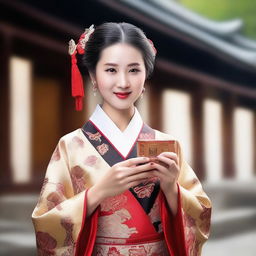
(16, 229)
(233, 227)
(237, 245)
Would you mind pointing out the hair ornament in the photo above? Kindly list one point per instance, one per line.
(77, 86)
(84, 38)
(71, 47)
(152, 45)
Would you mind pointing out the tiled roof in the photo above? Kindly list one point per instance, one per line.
(223, 37)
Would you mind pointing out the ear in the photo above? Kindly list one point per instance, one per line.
(92, 76)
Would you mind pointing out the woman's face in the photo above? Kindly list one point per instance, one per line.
(120, 76)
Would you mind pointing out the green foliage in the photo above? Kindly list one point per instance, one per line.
(225, 10)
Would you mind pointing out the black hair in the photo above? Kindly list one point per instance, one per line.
(110, 33)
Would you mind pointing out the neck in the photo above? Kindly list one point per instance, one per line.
(121, 117)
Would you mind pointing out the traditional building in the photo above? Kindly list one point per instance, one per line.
(202, 90)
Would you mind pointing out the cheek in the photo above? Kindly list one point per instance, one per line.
(139, 80)
(101, 73)
(142, 77)
(103, 88)
(103, 79)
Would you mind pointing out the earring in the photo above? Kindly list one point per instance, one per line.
(94, 88)
(94, 91)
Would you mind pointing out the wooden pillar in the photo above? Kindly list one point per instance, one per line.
(155, 106)
(229, 102)
(254, 139)
(197, 131)
(5, 166)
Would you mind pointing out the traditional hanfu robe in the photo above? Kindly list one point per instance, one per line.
(136, 222)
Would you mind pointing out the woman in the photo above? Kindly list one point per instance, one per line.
(98, 197)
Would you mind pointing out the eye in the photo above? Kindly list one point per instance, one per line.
(111, 70)
(135, 70)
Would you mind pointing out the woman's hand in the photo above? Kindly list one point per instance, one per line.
(118, 178)
(169, 173)
(124, 175)
(168, 176)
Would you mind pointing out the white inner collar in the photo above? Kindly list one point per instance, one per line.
(123, 141)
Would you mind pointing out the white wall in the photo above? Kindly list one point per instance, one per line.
(212, 110)
(243, 146)
(177, 119)
(20, 119)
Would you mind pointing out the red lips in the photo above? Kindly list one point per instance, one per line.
(122, 95)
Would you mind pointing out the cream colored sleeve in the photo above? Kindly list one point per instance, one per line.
(57, 217)
(196, 207)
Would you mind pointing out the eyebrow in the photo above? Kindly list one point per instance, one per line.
(114, 64)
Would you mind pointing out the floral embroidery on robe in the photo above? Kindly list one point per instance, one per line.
(78, 179)
(91, 160)
(103, 148)
(94, 136)
(73, 170)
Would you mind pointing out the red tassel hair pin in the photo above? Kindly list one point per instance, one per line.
(77, 87)
(153, 47)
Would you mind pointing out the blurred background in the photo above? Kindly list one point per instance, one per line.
(203, 91)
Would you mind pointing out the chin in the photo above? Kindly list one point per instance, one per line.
(119, 105)
(123, 106)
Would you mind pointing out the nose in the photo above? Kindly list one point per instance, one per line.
(123, 81)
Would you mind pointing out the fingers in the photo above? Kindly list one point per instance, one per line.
(121, 172)
(140, 177)
(134, 161)
(162, 169)
(168, 155)
(159, 174)
(136, 182)
(142, 168)
(139, 169)
(159, 168)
